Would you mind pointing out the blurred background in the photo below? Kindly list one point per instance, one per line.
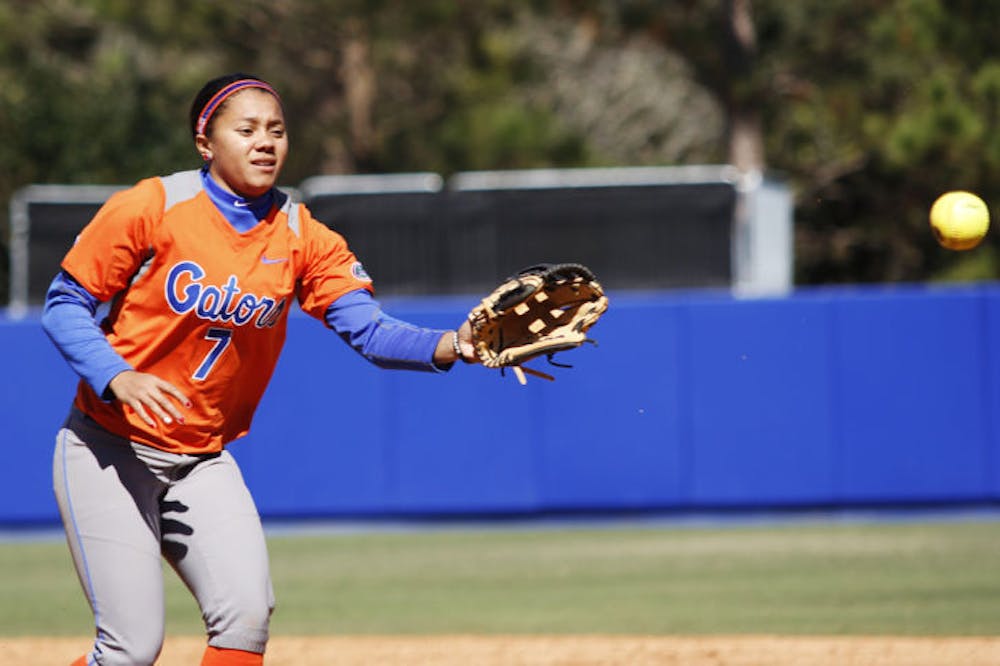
(868, 109)
(455, 142)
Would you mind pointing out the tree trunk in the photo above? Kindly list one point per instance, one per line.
(746, 134)
(358, 76)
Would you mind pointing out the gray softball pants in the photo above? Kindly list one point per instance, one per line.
(124, 505)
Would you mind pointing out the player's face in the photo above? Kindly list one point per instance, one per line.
(248, 143)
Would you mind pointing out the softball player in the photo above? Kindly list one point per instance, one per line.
(200, 268)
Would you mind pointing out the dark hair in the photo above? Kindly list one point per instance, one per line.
(208, 91)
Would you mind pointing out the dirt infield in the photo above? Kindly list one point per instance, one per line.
(560, 650)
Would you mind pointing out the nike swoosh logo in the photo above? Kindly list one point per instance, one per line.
(241, 204)
(265, 260)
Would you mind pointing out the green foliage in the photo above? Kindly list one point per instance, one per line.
(873, 120)
(871, 108)
(97, 91)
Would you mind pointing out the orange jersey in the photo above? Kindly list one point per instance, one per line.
(200, 304)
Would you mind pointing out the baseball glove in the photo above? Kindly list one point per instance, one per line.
(541, 310)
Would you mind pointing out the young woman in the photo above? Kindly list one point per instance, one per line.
(201, 268)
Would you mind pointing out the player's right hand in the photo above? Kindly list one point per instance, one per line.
(147, 393)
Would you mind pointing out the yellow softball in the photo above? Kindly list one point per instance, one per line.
(959, 220)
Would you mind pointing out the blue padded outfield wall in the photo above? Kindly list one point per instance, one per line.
(692, 400)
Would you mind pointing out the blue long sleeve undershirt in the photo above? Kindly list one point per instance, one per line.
(69, 321)
(382, 339)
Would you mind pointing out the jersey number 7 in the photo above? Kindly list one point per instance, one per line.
(221, 338)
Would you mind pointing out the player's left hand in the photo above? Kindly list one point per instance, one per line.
(456, 346)
(465, 343)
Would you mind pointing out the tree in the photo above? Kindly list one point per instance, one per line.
(879, 107)
(870, 108)
(97, 91)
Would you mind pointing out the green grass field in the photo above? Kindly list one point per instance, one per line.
(797, 578)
